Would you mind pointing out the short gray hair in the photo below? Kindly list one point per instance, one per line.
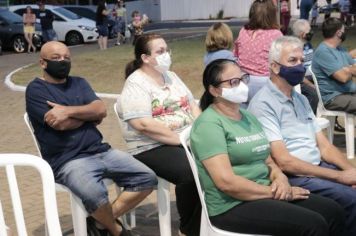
(299, 27)
(277, 45)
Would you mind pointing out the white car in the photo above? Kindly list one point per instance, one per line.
(70, 28)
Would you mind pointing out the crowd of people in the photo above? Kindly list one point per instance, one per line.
(264, 163)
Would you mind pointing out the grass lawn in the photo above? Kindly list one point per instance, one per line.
(105, 69)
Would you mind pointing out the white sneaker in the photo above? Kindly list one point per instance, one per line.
(117, 44)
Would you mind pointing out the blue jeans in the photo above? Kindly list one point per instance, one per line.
(305, 7)
(49, 35)
(342, 194)
(84, 176)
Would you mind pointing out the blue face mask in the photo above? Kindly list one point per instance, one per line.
(292, 74)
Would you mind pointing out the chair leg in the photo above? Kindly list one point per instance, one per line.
(164, 207)
(331, 128)
(78, 216)
(350, 136)
(133, 218)
(330, 133)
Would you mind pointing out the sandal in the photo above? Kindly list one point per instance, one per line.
(124, 231)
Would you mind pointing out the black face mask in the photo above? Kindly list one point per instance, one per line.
(343, 37)
(308, 36)
(58, 69)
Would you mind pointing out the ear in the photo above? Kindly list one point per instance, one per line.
(145, 58)
(214, 91)
(43, 64)
(275, 68)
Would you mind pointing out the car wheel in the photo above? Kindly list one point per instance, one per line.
(73, 38)
(19, 43)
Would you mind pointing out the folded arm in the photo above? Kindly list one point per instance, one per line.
(70, 117)
(155, 130)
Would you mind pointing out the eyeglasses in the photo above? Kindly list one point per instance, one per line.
(236, 81)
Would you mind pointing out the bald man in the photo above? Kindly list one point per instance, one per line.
(64, 112)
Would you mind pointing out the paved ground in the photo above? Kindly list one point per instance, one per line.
(15, 138)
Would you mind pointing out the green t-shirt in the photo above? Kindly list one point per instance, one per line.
(243, 141)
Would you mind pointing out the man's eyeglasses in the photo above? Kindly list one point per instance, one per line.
(236, 81)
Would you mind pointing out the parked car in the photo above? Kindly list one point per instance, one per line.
(90, 13)
(11, 32)
(334, 8)
(70, 28)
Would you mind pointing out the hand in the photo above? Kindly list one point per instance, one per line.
(299, 193)
(347, 177)
(281, 190)
(56, 115)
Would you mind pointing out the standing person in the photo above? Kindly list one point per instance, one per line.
(29, 20)
(285, 15)
(315, 14)
(353, 12)
(305, 7)
(156, 106)
(327, 12)
(218, 43)
(120, 19)
(245, 191)
(253, 43)
(138, 24)
(298, 145)
(46, 18)
(345, 17)
(102, 24)
(65, 112)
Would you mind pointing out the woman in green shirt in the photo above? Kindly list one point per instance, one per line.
(245, 191)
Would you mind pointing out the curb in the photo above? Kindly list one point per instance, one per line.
(20, 88)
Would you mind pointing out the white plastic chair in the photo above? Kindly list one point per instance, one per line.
(163, 195)
(349, 120)
(79, 214)
(206, 228)
(9, 161)
(322, 122)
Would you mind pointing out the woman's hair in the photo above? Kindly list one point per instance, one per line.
(29, 7)
(263, 15)
(219, 37)
(142, 46)
(212, 77)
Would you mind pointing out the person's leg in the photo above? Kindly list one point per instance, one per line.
(105, 42)
(45, 36)
(171, 164)
(343, 102)
(342, 194)
(84, 177)
(29, 42)
(137, 179)
(313, 216)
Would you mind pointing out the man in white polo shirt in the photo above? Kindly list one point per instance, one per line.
(297, 144)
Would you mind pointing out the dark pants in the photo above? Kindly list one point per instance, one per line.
(311, 94)
(305, 7)
(317, 216)
(171, 164)
(342, 194)
(285, 19)
(343, 102)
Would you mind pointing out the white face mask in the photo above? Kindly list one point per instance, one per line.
(163, 62)
(238, 94)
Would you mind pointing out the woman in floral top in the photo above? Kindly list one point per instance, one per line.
(155, 106)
